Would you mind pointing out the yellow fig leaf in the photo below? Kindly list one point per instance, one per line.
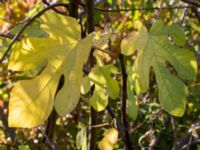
(109, 140)
(60, 53)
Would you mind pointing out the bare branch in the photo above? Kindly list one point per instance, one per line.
(174, 133)
(160, 135)
(143, 8)
(10, 36)
(119, 128)
(195, 3)
(55, 9)
(133, 9)
(197, 13)
(123, 104)
(103, 50)
(52, 145)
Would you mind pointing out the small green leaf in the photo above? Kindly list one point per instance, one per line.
(99, 100)
(132, 108)
(112, 2)
(81, 139)
(24, 147)
(103, 77)
(86, 85)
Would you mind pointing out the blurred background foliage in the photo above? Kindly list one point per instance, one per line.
(150, 120)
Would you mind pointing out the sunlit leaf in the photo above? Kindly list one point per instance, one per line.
(126, 47)
(109, 140)
(86, 85)
(99, 100)
(103, 76)
(61, 53)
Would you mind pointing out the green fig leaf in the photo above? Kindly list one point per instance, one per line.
(156, 50)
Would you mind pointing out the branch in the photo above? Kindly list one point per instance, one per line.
(160, 135)
(123, 104)
(52, 145)
(51, 123)
(133, 9)
(73, 10)
(55, 9)
(119, 128)
(143, 8)
(77, 2)
(10, 36)
(17, 36)
(197, 13)
(4, 119)
(187, 146)
(185, 142)
(93, 114)
(183, 17)
(195, 3)
(173, 122)
(99, 125)
(103, 50)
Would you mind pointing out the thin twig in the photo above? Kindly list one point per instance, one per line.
(195, 3)
(99, 125)
(184, 142)
(17, 36)
(14, 23)
(123, 104)
(194, 85)
(4, 119)
(55, 9)
(133, 9)
(10, 36)
(103, 50)
(143, 8)
(187, 146)
(183, 17)
(197, 13)
(50, 143)
(119, 128)
(77, 2)
(174, 132)
(175, 12)
(161, 6)
(5, 20)
(91, 62)
(160, 135)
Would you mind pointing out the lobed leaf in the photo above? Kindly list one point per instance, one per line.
(61, 53)
(155, 50)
